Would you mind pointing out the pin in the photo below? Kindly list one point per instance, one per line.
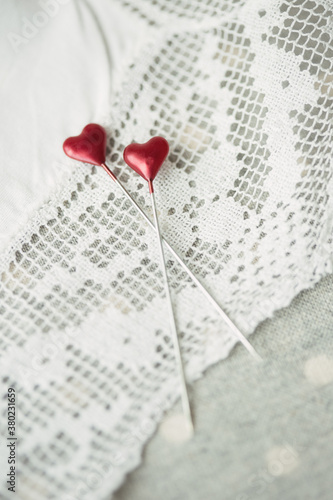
(89, 147)
(146, 159)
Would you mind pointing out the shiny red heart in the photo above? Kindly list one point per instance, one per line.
(89, 146)
(146, 159)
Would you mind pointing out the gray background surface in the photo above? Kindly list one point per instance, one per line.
(262, 431)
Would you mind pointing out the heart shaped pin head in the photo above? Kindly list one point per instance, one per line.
(89, 146)
(146, 159)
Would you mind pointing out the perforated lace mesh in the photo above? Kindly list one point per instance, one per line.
(242, 91)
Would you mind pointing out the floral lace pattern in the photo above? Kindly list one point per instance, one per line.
(242, 91)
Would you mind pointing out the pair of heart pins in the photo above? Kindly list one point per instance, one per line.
(146, 159)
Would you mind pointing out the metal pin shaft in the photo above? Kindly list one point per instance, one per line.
(236, 332)
(173, 327)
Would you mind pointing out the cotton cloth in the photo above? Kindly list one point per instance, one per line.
(242, 92)
(262, 431)
(62, 62)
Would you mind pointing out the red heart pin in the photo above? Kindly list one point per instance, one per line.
(89, 146)
(146, 159)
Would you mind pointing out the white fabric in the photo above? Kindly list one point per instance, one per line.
(242, 91)
(61, 63)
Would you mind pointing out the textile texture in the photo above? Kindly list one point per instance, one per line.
(262, 432)
(242, 92)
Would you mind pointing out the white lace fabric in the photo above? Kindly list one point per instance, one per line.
(242, 92)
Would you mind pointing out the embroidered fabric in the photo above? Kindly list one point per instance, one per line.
(242, 91)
